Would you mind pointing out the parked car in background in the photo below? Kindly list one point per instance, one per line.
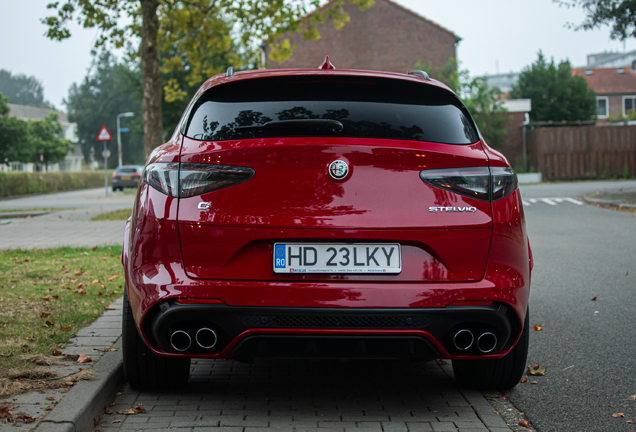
(126, 176)
(322, 213)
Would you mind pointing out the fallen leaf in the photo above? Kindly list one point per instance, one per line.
(618, 415)
(45, 298)
(113, 277)
(95, 280)
(630, 421)
(67, 384)
(45, 315)
(52, 335)
(26, 418)
(537, 370)
(83, 359)
(633, 397)
(443, 362)
(594, 298)
(524, 423)
(109, 308)
(56, 296)
(57, 352)
(534, 382)
(65, 328)
(538, 327)
(104, 258)
(108, 411)
(100, 293)
(48, 408)
(4, 411)
(524, 379)
(140, 409)
(116, 421)
(626, 273)
(50, 398)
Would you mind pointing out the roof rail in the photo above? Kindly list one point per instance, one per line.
(229, 72)
(420, 73)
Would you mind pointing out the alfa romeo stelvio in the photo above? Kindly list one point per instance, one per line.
(326, 214)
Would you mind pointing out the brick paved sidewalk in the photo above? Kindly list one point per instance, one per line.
(299, 395)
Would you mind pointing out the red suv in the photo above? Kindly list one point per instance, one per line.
(322, 213)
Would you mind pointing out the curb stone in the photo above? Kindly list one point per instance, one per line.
(86, 400)
(608, 203)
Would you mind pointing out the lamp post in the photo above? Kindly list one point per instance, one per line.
(127, 114)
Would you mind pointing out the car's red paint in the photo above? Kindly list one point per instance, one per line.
(172, 249)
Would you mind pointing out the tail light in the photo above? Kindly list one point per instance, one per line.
(114, 175)
(187, 180)
(482, 183)
(135, 175)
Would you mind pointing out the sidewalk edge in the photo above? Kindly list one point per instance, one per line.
(86, 400)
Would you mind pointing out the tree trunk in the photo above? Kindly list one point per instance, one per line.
(153, 128)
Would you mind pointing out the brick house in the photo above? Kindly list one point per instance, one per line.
(615, 89)
(385, 37)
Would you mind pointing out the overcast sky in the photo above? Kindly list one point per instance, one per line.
(507, 32)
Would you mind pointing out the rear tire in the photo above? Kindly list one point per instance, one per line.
(144, 369)
(496, 374)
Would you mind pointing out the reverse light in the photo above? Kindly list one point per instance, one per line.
(482, 183)
(186, 180)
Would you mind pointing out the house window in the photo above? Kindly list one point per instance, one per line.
(601, 107)
(629, 103)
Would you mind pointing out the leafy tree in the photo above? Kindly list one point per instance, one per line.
(556, 95)
(265, 20)
(44, 137)
(26, 140)
(110, 89)
(22, 90)
(486, 107)
(14, 136)
(620, 15)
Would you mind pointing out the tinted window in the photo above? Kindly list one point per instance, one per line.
(126, 170)
(367, 108)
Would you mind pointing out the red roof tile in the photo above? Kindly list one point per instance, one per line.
(608, 80)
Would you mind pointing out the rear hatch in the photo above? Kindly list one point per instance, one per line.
(390, 132)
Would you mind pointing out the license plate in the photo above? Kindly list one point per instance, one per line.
(337, 258)
(126, 178)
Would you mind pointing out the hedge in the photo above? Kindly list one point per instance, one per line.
(25, 183)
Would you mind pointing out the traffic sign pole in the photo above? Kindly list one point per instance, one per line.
(105, 153)
(105, 136)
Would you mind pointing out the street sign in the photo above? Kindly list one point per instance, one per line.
(106, 154)
(124, 129)
(104, 135)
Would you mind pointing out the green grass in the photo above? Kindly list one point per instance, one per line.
(37, 209)
(121, 214)
(46, 296)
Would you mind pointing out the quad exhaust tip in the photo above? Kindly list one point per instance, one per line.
(463, 339)
(486, 342)
(206, 338)
(180, 340)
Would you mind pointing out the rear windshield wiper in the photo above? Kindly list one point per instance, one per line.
(323, 124)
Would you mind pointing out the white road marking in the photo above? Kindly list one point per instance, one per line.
(551, 201)
(573, 201)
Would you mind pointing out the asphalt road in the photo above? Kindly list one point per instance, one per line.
(588, 347)
(85, 199)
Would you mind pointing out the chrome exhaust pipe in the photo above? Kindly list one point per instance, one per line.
(486, 342)
(180, 340)
(463, 339)
(206, 338)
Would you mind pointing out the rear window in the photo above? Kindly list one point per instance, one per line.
(366, 107)
(126, 170)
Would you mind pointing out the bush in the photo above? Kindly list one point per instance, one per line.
(23, 183)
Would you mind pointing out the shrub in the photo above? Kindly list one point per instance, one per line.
(23, 183)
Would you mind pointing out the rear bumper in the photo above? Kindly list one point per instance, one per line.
(247, 332)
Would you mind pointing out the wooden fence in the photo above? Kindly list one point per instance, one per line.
(582, 152)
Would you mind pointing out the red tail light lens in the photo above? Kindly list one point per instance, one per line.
(135, 175)
(114, 175)
(482, 183)
(187, 180)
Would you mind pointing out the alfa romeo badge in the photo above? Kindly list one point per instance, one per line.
(338, 169)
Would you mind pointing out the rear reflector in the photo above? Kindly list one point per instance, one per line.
(470, 303)
(187, 180)
(482, 183)
(199, 301)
